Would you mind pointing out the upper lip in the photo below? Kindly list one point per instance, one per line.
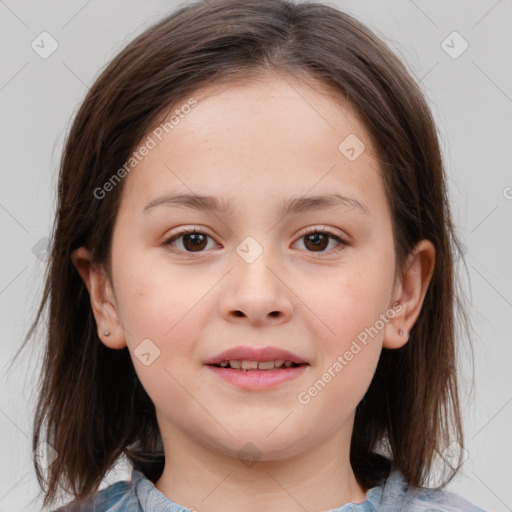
(248, 353)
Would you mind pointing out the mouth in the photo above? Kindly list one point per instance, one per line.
(256, 369)
(245, 365)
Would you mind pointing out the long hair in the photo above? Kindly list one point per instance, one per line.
(91, 407)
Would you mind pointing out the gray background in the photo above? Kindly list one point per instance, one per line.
(471, 97)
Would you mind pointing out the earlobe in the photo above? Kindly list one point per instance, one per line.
(410, 293)
(102, 299)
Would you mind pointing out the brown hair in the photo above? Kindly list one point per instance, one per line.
(92, 408)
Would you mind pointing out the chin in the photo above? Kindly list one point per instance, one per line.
(260, 448)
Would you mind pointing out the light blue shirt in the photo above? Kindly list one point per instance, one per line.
(393, 495)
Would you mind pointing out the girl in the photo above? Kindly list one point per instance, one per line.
(251, 290)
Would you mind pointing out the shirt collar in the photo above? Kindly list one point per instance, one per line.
(152, 500)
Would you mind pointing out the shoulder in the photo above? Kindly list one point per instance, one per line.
(395, 494)
(116, 497)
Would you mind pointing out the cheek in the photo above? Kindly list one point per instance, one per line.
(347, 301)
(349, 342)
(163, 323)
(153, 300)
(166, 306)
(351, 315)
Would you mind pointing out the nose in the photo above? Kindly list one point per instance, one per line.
(257, 292)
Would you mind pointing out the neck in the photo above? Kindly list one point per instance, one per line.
(315, 479)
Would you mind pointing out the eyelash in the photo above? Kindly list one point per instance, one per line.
(340, 247)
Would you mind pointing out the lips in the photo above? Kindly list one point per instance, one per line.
(257, 369)
(263, 354)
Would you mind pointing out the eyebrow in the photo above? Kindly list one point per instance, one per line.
(288, 206)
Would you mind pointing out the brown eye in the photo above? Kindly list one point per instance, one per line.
(191, 241)
(194, 241)
(316, 241)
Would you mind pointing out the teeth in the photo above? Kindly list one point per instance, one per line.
(255, 365)
(265, 365)
(249, 365)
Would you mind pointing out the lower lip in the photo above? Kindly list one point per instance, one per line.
(254, 379)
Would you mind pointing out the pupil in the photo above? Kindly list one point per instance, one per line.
(318, 239)
(197, 239)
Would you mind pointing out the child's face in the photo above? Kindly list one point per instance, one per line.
(258, 146)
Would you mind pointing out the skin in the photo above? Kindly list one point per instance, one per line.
(256, 143)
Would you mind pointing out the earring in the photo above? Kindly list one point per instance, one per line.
(106, 333)
(401, 332)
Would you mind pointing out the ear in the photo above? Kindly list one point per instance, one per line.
(103, 302)
(410, 293)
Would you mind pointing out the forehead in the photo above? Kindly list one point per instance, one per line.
(268, 137)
